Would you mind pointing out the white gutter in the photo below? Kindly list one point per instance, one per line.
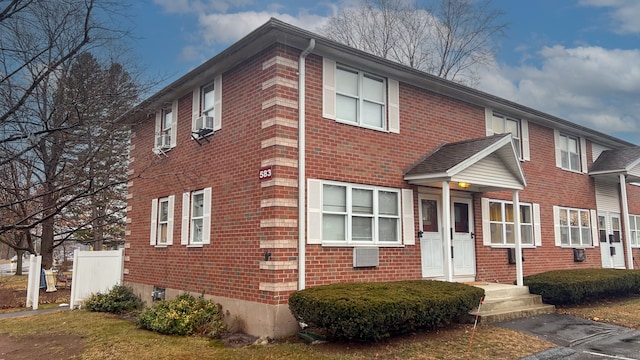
(302, 230)
(625, 216)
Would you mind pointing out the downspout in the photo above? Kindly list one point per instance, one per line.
(625, 217)
(302, 230)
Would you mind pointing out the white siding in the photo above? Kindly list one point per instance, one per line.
(607, 198)
(489, 171)
(596, 150)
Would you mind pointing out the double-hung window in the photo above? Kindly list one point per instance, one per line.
(360, 98)
(501, 221)
(163, 221)
(161, 233)
(206, 108)
(353, 214)
(503, 124)
(166, 123)
(574, 226)
(196, 218)
(497, 123)
(634, 225)
(166, 127)
(207, 100)
(570, 152)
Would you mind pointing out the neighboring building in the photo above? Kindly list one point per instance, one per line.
(403, 175)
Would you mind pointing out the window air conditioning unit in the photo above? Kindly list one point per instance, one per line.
(365, 257)
(163, 141)
(204, 122)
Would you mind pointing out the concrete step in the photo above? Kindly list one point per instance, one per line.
(514, 302)
(503, 291)
(504, 302)
(508, 314)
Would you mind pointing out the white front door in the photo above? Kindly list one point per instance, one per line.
(611, 250)
(431, 237)
(464, 258)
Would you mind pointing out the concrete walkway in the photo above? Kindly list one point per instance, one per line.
(578, 338)
(32, 312)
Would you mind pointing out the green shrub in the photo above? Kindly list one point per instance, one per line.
(184, 315)
(564, 287)
(372, 311)
(120, 299)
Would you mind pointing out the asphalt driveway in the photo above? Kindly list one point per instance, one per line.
(578, 338)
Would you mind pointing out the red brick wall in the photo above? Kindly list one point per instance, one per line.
(229, 164)
(230, 266)
(547, 185)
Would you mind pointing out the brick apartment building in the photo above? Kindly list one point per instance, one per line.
(402, 175)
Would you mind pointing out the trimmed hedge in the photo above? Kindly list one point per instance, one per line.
(184, 315)
(564, 287)
(372, 311)
(120, 299)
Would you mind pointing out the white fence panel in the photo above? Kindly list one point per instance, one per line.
(33, 284)
(93, 272)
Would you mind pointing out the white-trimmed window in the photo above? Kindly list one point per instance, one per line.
(570, 152)
(207, 108)
(360, 98)
(208, 100)
(498, 223)
(166, 127)
(196, 218)
(161, 233)
(573, 227)
(357, 97)
(344, 214)
(497, 123)
(502, 223)
(634, 225)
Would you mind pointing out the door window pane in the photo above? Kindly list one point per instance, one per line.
(461, 217)
(429, 215)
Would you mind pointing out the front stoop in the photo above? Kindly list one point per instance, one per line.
(505, 302)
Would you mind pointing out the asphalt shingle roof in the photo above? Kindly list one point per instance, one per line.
(616, 160)
(448, 155)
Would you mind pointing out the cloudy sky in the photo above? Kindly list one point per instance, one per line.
(576, 59)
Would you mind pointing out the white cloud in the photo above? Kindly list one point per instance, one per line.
(624, 14)
(219, 28)
(592, 86)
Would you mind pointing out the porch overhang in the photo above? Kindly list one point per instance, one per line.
(478, 165)
(611, 164)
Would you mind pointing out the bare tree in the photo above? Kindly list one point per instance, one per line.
(450, 39)
(56, 118)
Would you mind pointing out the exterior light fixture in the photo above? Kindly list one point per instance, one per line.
(464, 185)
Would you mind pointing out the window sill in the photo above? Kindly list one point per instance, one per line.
(572, 171)
(510, 246)
(195, 246)
(352, 245)
(577, 246)
(361, 126)
(161, 246)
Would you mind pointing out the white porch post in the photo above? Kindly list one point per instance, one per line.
(446, 231)
(625, 216)
(518, 237)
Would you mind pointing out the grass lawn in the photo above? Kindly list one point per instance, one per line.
(105, 336)
(82, 334)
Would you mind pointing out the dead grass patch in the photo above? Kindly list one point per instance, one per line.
(623, 312)
(110, 337)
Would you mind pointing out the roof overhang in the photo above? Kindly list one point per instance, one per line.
(276, 31)
(492, 165)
